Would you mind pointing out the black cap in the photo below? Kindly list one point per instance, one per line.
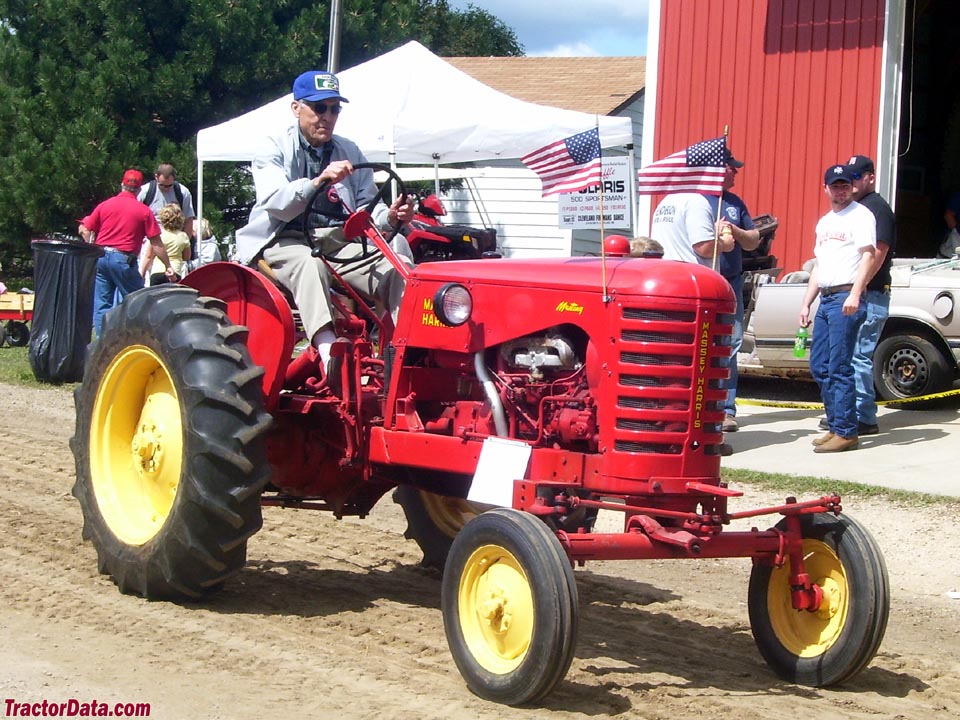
(730, 160)
(860, 165)
(837, 173)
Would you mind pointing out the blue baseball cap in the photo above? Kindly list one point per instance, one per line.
(317, 85)
(838, 173)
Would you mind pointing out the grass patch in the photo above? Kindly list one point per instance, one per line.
(807, 485)
(15, 369)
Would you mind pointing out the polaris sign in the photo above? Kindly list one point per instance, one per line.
(581, 210)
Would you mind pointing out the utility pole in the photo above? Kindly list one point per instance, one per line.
(333, 54)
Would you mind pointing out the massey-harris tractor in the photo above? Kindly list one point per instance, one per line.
(547, 389)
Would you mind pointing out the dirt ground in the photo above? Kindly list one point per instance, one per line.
(336, 619)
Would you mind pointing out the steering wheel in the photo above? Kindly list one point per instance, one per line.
(380, 195)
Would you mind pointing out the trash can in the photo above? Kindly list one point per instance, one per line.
(64, 272)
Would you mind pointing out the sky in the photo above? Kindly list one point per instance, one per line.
(572, 28)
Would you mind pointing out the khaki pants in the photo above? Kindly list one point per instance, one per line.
(309, 280)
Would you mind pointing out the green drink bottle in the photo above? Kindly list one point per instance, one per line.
(800, 343)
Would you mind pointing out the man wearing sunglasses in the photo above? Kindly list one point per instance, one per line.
(163, 190)
(288, 168)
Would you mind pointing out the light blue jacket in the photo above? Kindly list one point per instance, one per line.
(283, 190)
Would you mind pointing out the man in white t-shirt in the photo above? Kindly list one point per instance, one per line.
(683, 224)
(846, 241)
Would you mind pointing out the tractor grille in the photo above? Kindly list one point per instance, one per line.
(671, 372)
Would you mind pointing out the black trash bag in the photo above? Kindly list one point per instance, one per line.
(64, 272)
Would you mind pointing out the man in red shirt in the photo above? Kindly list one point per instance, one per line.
(119, 225)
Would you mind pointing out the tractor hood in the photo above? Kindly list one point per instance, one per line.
(650, 277)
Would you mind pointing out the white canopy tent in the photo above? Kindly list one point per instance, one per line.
(410, 107)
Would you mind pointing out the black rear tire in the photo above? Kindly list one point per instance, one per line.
(433, 521)
(169, 445)
(828, 646)
(509, 603)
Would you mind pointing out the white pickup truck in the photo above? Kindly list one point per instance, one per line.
(919, 348)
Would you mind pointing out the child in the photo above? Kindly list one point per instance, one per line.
(642, 246)
(209, 250)
(175, 240)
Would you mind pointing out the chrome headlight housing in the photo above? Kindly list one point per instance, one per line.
(453, 304)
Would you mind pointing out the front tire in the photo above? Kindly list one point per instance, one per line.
(832, 644)
(509, 605)
(907, 366)
(169, 445)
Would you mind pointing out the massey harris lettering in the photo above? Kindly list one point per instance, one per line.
(703, 347)
(429, 318)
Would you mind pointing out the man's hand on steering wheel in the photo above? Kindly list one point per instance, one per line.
(334, 173)
(401, 211)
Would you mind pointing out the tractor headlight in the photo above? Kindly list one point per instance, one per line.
(453, 304)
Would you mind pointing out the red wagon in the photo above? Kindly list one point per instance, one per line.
(16, 310)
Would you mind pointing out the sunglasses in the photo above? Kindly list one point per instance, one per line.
(321, 108)
(165, 186)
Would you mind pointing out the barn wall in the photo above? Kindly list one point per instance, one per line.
(796, 81)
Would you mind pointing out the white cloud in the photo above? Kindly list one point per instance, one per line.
(579, 49)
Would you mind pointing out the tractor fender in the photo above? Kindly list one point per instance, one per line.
(255, 302)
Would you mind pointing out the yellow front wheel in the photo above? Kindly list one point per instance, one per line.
(834, 642)
(509, 607)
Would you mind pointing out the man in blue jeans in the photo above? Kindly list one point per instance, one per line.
(845, 248)
(119, 225)
(878, 290)
(734, 219)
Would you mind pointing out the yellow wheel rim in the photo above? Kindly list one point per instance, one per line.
(496, 609)
(810, 634)
(136, 445)
(448, 514)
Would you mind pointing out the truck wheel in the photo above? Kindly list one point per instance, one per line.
(433, 521)
(18, 334)
(908, 366)
(509, 604)
(169, 445)
(830, 645)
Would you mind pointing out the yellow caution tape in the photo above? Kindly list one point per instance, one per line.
(780, 404)
(919, 398)
(819, 406)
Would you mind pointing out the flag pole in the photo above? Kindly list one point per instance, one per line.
(603, 254)
(716, 229)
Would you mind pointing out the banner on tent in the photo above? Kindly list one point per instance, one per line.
(581, 210)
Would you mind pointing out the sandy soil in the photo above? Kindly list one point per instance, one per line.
(336, 619)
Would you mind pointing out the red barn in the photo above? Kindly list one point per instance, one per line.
(806, 83)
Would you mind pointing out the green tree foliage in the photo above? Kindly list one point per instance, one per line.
(90, 87)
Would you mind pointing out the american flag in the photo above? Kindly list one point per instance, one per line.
(700, 168)
(567, 165)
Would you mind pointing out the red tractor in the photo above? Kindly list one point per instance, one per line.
(547, 389)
